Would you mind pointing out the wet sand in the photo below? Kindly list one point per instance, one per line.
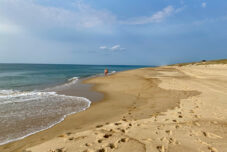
(81, 89)
(151, 109)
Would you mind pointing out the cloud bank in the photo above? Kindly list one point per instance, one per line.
(29, 15)
(112, 48)
(155, 18)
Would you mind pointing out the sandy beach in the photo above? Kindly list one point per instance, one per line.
(163, 109)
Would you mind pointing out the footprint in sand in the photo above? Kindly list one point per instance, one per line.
(177, 126)
(164, 140)
(122, 130)
(61, 136)
(211, 135)
(127, 128)
(99, 126)
(123, 119)
(196, 116)
(88, 150)
(87, 145)
(169, 132)
(123, 140)
(71, 138)
(158, 127)
(101, 150)
(212, 149)
(180, 116)
(174, 120)
(60, 150)
(196, 124)
(111, 130)
(173, 141)
(107, 135)
(112, 146)
(179, 112)
(117, 123)
(202, 142)
(161, 148)
(197, 107)
(68, 133)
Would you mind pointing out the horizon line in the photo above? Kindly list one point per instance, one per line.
(78, 64)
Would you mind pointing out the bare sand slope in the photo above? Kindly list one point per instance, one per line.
(167, 109)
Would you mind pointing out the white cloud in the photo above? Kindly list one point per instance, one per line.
(103, 47)
(9, 28)
(31, 16)
(156, 17)
(112, 48)
(91, 17)
(204, 5)
(115, 47)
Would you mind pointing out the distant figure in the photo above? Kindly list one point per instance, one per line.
(203, 60)
(106, 72)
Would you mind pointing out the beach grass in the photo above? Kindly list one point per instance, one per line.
(203, 62)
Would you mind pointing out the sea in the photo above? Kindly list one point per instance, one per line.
(26, 104)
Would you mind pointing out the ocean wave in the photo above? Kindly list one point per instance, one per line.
(7, 92)
(15, 96)
(38, 105)
(73, 80)
(68, 83)
(112, 72)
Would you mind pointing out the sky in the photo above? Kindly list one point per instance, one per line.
(122, 32)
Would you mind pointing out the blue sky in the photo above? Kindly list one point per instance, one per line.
(144, 32)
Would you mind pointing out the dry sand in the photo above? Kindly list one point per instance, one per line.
(165, 109)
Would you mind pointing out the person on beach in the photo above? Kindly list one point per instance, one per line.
(106, 72)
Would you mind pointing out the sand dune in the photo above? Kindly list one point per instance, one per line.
(165, 109)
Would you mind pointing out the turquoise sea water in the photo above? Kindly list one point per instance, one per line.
(25, 105)
(38, 76)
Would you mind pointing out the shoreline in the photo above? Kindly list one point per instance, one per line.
(149, 109)
(80, 89)
(77, 90)
(88, 102)
(65, 126)
(35, 132)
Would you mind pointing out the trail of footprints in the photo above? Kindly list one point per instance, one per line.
(166, 140)
(107, 139)
(110, 137)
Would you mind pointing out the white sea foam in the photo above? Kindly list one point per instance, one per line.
(70, 82)
(7, 92)
(49, 104)
(73, 80)
(112, 72)
(34, 132)
(14, 96)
